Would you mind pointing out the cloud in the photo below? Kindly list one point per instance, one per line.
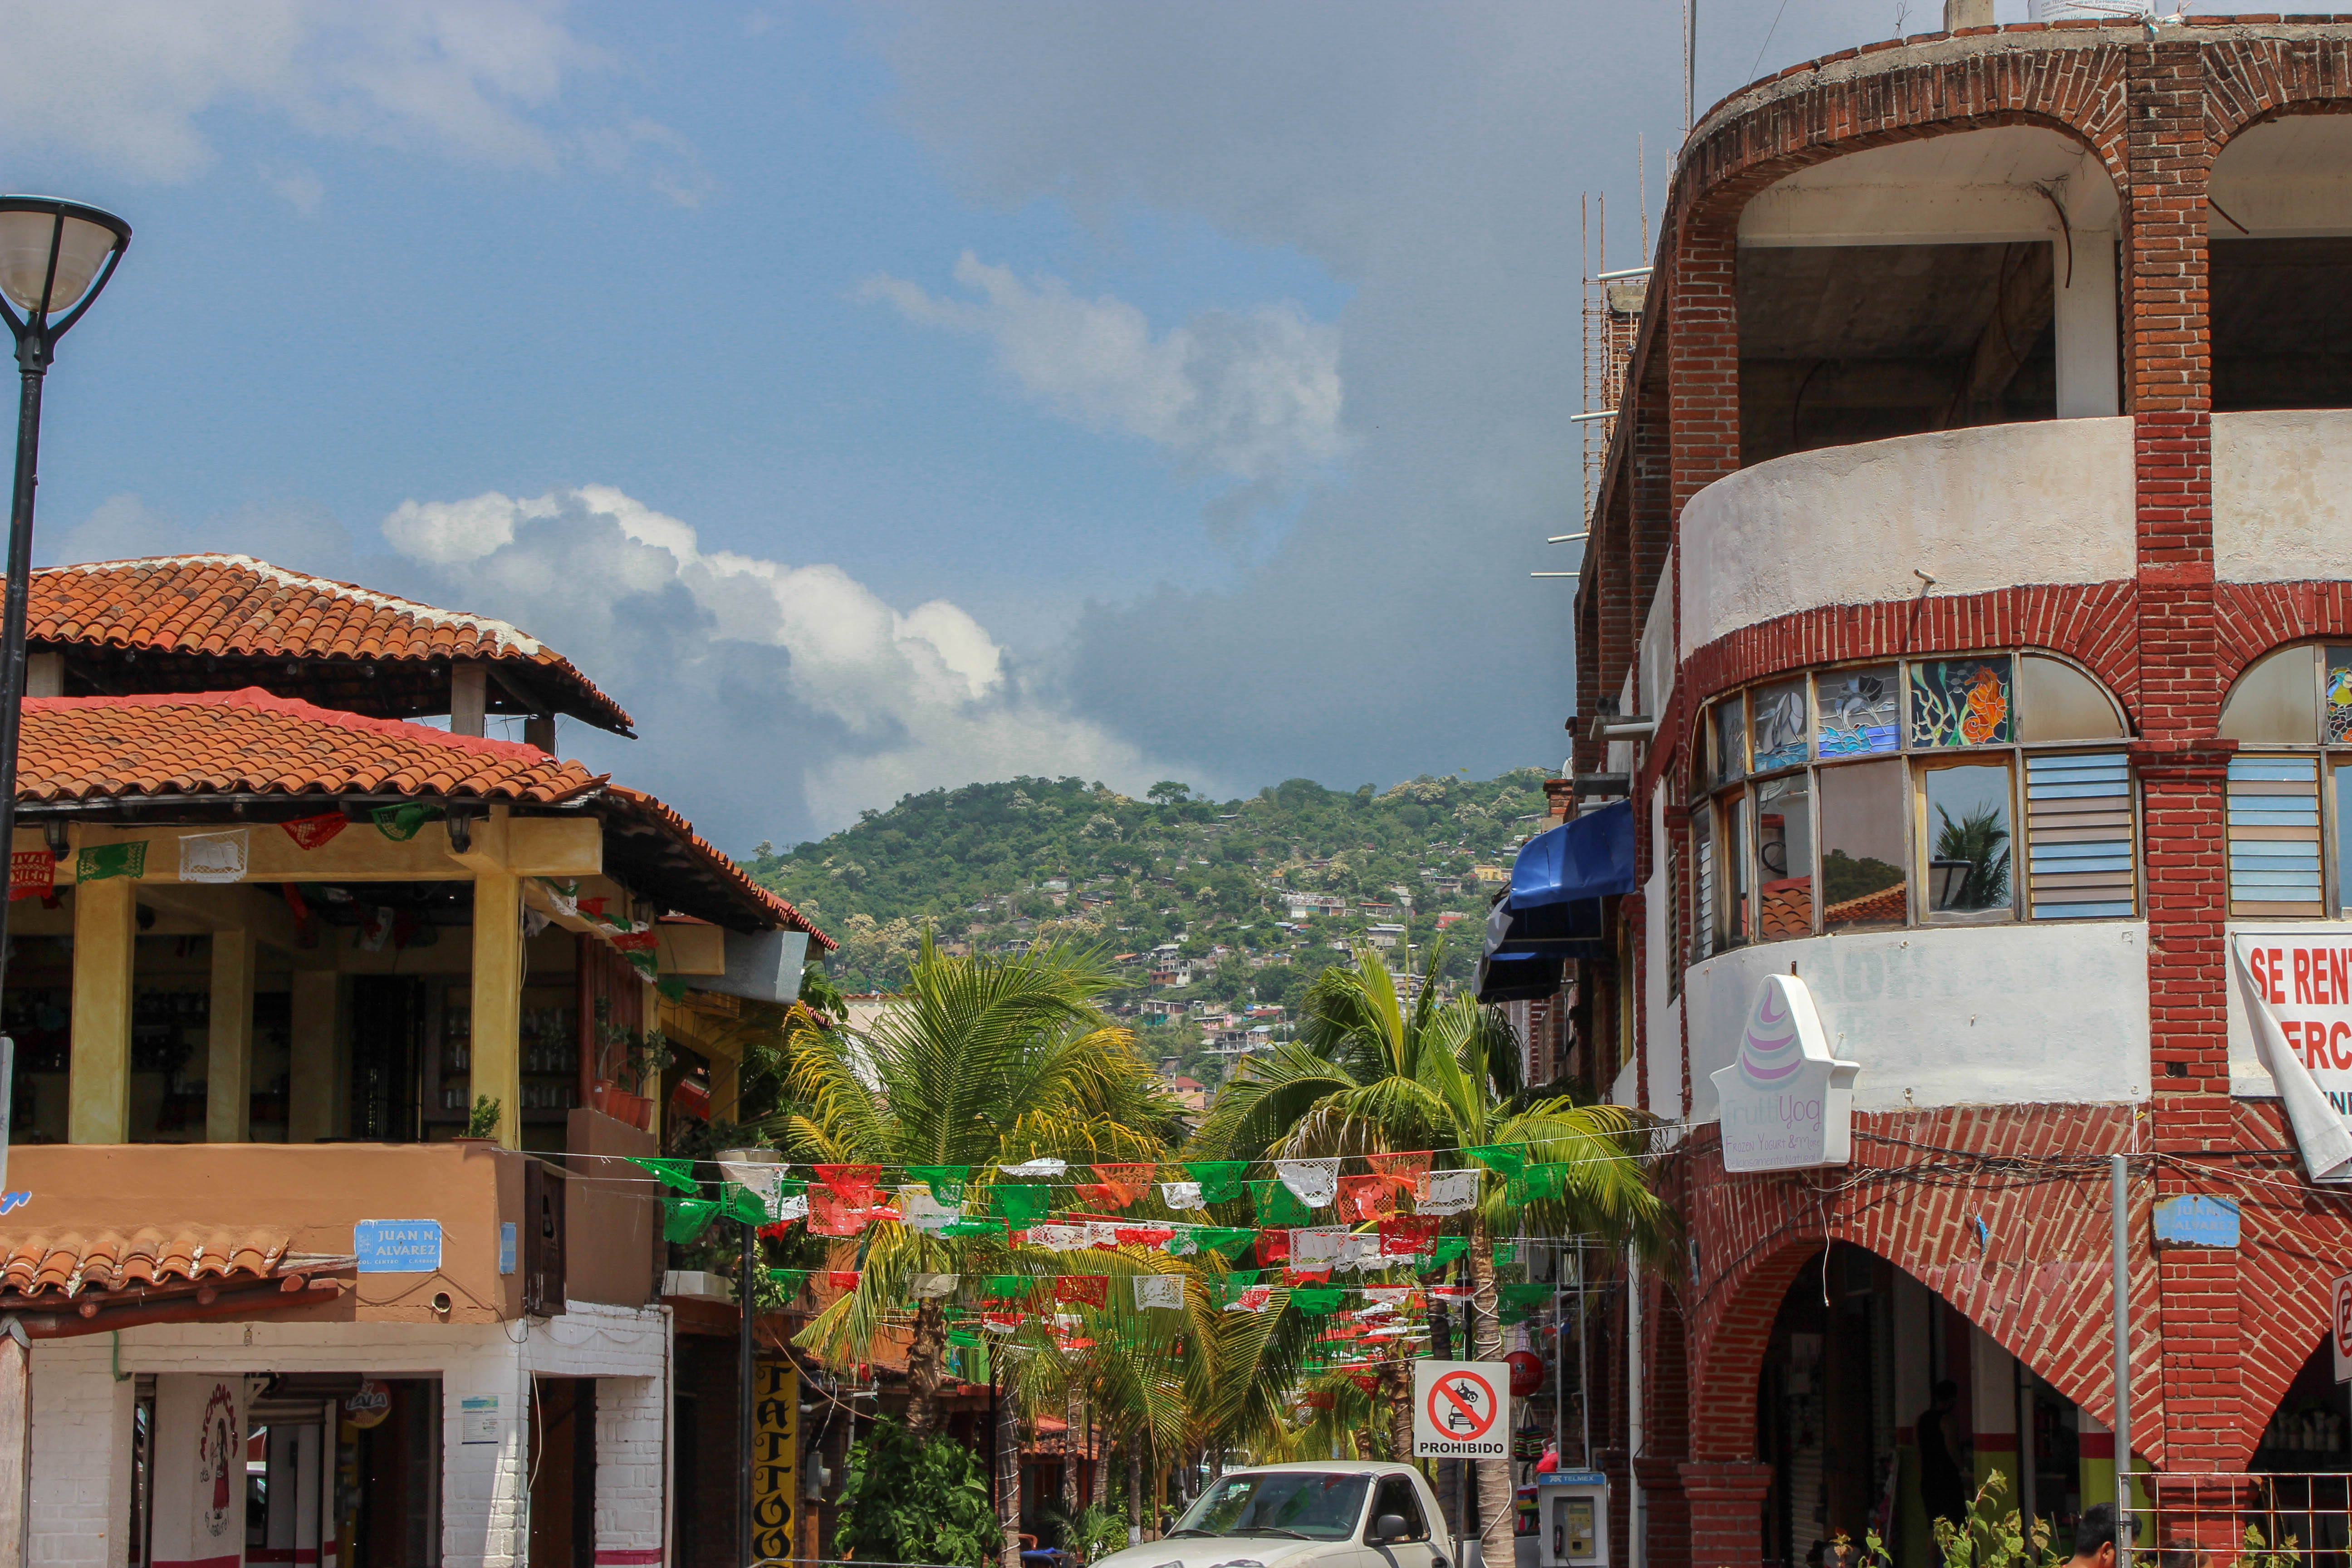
(774, 699)
(127, 84)
(1254, 397)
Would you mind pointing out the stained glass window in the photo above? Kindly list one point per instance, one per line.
(1778, 714)
(1730, 739)
(1861, 711)
(2336, 698)
(1961, 702)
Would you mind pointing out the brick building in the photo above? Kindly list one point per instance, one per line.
(1966, 609)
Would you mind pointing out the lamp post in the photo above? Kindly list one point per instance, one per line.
(55, 256)
(754, 1170)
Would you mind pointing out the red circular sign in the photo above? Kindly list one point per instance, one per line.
(1526, 1372)
(1462, 1404)
(2344, 1318)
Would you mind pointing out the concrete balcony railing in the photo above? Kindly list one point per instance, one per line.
(454, 1232)
(2282, 495)
(1993, 506)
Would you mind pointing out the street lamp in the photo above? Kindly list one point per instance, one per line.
(55, 258)
(754, 1170)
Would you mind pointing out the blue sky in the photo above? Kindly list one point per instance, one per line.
(881, 397)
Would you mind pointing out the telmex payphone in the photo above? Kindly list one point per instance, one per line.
(1572, 1511)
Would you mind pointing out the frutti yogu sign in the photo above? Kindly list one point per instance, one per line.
(1787, 1104)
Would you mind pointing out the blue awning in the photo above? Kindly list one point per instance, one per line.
(1588, 858)
(1553, 911)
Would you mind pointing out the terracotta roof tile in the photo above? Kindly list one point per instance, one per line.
(250, 742)
(747, 898)
(69, 1264)
(236, 606)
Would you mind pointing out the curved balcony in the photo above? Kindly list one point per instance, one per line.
(1992, 506)
(2024, 1014)
(2282, 495)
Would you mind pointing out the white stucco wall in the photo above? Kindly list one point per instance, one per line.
(2019, 1014)
(1991, 507)
(81, 1420)
(2282, 495)
(1657, 660)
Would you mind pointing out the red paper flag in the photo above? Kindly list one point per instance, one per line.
(1407, 1172)
(1369, 1385)
(831, 1214)
(1402, 1236)
(852, 1184)
(309, 832)
(32, 874)
(1365, 1198)
(1273, 1247)
(1083, 1289)
(1145, 1235)
(1116, 1186)
(1308, 1276)
(842, 1278)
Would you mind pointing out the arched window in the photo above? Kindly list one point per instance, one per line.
(2289, 804)
(1869, 795)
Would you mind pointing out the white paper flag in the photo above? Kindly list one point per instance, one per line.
(1359, 1250)
(1318, 1247)
(1316, 1181)
(1182, 1194)
(790, 1208)
(1389, 1296)
(214, 857)
(1061, 1237)
(925, 1213)
(1158, 1290)
(931, 1287)
(1044, 1165)
(1450, 1191)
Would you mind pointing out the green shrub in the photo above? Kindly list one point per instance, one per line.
(910, 1501)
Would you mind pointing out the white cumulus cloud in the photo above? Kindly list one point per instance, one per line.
(774, 699)
(1254, 397)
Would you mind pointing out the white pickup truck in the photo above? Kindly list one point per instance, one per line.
(1328, 1513)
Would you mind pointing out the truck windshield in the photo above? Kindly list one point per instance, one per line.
(1316, 1504)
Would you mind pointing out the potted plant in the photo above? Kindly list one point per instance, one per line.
(636, 1055)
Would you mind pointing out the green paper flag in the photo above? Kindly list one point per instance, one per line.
(672, 987)
(963, 1337)
(742, 1203)
(1544, 1181)
(1007, 1288)
(947, 1181)
(790, 1279)
(1503, 1159)
(683, 1219)
(1317, 1301)
(1233, 1241)
(1506, 1253)
(1224, 1292)
(1449, 1248)
(1526, 1295)
(1514, 1314)
(401, 823)
(1221, 1180)
(964, 1229)
(101, 861)
(677, 1174)
(1021, 1202)
(1276, 1204)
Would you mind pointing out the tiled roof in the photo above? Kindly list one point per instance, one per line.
(234, 607)
(250, 742)
(68, 1265)
(684, 851)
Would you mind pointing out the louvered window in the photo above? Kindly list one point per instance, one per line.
(2078, 825)
(2274, 832)
(1702, 917)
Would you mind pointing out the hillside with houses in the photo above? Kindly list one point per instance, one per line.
(1218, 914)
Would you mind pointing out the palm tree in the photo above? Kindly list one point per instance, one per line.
(980, 1062)
(1368, 1074)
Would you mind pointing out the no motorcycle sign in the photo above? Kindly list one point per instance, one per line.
(1461, 1409)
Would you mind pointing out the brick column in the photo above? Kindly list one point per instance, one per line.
(1725, 1500)
(2195, 1340)
(1702, 356)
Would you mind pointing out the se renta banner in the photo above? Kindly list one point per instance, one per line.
(2295, 988)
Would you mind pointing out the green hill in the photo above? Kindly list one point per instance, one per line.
(992, 866)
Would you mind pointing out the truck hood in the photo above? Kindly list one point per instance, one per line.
(1213, 1550)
